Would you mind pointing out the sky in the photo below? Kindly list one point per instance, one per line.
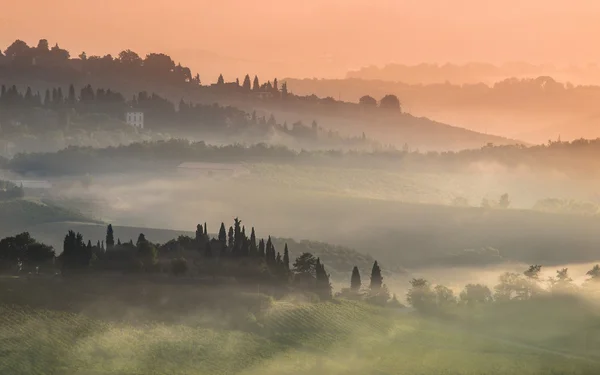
(313, 38)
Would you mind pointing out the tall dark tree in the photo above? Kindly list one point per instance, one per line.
(247, 85)
(199, 234)
(286, 259)
(220, 80)
(230, 238)
(223, 234)
(355, 282)
(376, 278)
(261, 249)
(71, 99)
(110, 238)
(323, 284)
(256, 84)
(253, 250)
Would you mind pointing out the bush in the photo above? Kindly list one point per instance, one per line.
(179, 266)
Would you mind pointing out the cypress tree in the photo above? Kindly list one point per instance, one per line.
(222, 234)
(261, 249)
(118, 241)
(98, 244)
(89, 244)
(220, 80)
(376, 278)
(270, 252)
(253, 250)
(110, 239)
(286, 258)
(71, 99)
(355, 282)
(256, 84)
(278, 260)
(323, 285)
(199, 234)
(205, 231)
(231, 240)
(246, 85)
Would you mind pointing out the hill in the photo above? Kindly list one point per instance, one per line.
(340, 337)
(17, 214)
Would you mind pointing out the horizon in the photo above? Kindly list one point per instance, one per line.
(200, 34)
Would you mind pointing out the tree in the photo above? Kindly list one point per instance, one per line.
(286, 259)
(230, 239)
(220, 81)
(199, 234)
(368, 101)
(376, 278)
(390, 102)
(110, 238)
(261, 249)
(256, 84)
(594, 273)
(444, 296)
(476, 293)
(222, 233)
(130, 58)
(305, 264)
(323, 284)
(533, 272)
(43, 46)
(179, 266)
(504, 201)
(246, 85)
(253, 250)
(17, 49)
(355, 282)
(284, 90)
(146, 251)
(420, 296)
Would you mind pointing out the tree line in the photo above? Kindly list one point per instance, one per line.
(127, 68)
(231, 254)
(72, 107)
(575, 158)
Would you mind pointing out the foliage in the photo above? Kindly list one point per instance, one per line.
(420, 295)
(474, 294)
(179, 266)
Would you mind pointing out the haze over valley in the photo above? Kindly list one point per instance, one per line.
(299, 188)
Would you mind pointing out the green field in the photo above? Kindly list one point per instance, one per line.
(339, 337)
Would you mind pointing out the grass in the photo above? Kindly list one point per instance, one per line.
(340, 337)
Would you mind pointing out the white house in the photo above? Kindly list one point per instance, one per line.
(135, 119)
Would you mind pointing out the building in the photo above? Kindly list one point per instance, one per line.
(212, 169)
(135, 119)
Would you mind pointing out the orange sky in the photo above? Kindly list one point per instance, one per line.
(309, 38)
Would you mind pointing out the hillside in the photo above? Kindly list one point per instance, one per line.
(327, 338)
(17, 214)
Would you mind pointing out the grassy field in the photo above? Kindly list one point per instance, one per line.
(339, 337)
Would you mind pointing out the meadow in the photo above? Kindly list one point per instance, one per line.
(338, 337)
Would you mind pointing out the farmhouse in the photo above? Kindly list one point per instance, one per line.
(135, 119)
(212, 169)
